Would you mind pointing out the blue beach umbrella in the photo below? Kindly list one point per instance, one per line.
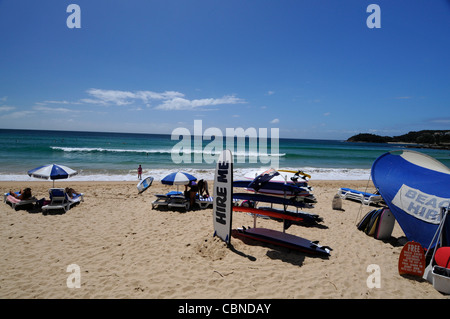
(52, 171)
(178, 178)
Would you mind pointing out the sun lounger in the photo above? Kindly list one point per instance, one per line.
(179, 201)
(204, 202)
(59, 199)
(18, 203)
(207, 202)
(363, 197)
(163, 200)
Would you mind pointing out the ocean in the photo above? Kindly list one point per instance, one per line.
(115, 156)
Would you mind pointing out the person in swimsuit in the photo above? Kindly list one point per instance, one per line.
(140, 172)
(23, 194)
(71, 192)
(193, 189)
(203, 188)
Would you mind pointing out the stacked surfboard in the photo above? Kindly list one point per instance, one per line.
(267, 188)
(281, 188)
(281, 183)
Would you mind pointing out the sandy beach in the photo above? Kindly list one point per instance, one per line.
(125, 249)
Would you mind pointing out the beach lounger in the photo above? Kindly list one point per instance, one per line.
(60, 200)
(16, 203)
(207, 202)
(162, 200)
(204, 202)
(179, 201)
(363, 197)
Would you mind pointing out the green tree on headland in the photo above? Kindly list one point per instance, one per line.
(424, 138)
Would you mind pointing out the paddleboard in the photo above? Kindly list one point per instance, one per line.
(144, 184)
(223, 196)
(276, 188)
(283, 177)
(442, 257)
(293, 201)
(263, 178)
(283, 239)
(280, 214)
(275, 213)
(307, 198)
(307, 217)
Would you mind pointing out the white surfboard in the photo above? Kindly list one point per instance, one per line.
(223, 196)
(144, 184)
(283, 177)
(385, 225)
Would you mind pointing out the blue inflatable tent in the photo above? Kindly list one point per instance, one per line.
(416, 187)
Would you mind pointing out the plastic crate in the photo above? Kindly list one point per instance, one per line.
(441, 279)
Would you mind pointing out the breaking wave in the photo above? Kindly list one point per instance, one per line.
(159, 151)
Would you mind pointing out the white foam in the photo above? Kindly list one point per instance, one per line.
(208, 174)
(165, 151)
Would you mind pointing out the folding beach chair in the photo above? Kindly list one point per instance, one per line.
(179, 201)
(16, 203)
(59, 199)
(204, 202)
(163, 200)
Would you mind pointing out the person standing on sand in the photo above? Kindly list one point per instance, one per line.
(140, 172)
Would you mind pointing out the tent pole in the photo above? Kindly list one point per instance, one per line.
(438, 234)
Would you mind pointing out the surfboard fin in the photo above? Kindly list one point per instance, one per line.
(287, 223)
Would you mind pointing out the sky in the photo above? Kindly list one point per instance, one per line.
(316, 69)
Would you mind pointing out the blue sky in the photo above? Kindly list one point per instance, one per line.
(313, 69)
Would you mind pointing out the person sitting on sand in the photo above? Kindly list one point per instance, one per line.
(23, 194)
(203, 188)
(71, 192)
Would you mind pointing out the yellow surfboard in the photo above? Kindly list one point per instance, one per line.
(295, 172)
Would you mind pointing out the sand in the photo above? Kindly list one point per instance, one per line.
(125, 249)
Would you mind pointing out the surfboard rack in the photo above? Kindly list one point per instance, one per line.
(279, 238)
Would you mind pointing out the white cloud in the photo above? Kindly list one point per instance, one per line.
(106, 97)
(168, 101)
(17, 115)
(275, 121)
(149, 95)
(59, 102)
(171, 100)
(52, 109)
(443, 120)
(327, 114)
(185, 104)
(117, 97)
(5, 108)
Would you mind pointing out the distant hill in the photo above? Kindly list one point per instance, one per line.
(425, 138)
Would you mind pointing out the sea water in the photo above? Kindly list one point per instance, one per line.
(116, 156)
